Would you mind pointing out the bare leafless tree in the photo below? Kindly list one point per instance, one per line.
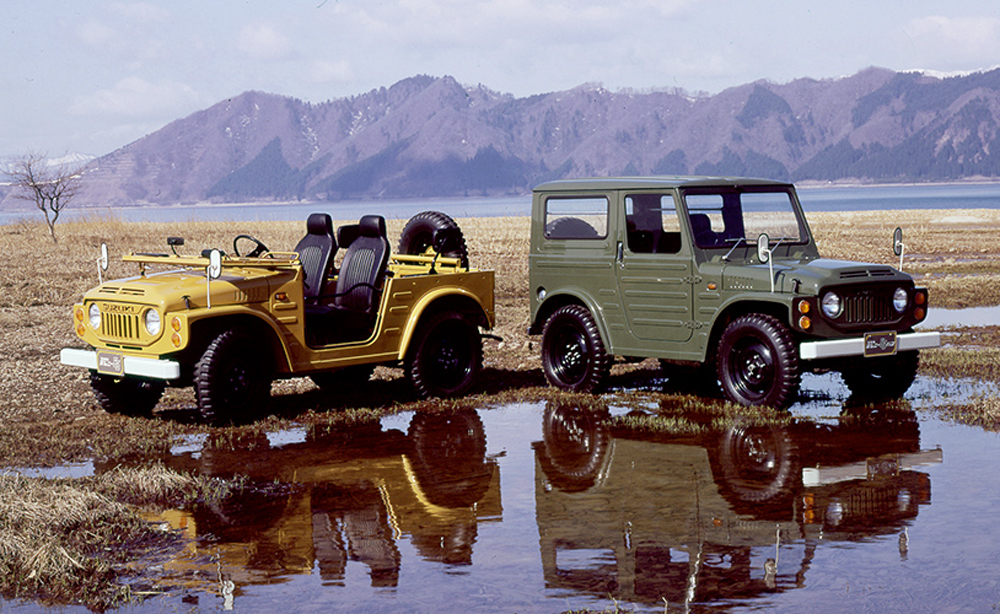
(50, 187)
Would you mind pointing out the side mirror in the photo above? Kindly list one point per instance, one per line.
(764, 255)
(102, 263)
(214, 264)
(897, 245)
(763, 248)
(214, 271)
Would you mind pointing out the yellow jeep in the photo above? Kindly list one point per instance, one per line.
(229, 324)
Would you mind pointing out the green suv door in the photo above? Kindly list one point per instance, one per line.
(654, 270)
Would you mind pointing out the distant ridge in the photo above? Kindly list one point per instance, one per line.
(431, 136)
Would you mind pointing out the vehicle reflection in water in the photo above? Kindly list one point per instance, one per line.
(721, 514)
(341, 495)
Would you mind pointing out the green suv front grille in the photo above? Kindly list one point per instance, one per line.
(869, 308)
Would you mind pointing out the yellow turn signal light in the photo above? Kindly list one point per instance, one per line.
(78, 314)
(175, 323)
(805, 323)
(176, 339)
(803, 306)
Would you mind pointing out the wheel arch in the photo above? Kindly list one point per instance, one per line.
(204, 330)
(432, 303)
(558, 300)
(740, 308)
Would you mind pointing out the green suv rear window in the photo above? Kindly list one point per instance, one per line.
(576, 217)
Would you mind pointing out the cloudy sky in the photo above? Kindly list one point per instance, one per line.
(93, 76)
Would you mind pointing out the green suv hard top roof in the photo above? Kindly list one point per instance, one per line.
(638, 183)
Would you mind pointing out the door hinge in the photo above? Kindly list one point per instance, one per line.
(692, 279)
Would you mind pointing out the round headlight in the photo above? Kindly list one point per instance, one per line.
(831, 305)
(94, 314)
(900, 300)
(152, 321)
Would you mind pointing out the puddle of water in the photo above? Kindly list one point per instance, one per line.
(550, 507)
(969, 316)
(71, 471)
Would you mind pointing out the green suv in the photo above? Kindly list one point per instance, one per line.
(720, 279)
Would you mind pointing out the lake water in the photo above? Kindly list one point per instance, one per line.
(548, 507)
(874, 198)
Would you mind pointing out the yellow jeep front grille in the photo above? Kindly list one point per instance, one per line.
(120, 326)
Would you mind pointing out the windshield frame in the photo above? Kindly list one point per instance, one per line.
(733, 217)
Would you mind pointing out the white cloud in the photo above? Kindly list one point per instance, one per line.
(136, 97)
(141, 11)
(954, 41)
(323, 71)
(263, 42)
(95, 34)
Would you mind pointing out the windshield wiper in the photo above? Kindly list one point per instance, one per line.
(737, 244)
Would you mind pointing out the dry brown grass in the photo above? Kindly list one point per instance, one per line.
(982, 412)
(74, 541)
(46, 527)
(952, 252)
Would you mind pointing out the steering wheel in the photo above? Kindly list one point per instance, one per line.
(257, 251)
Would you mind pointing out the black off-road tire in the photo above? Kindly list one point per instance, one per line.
(883, 378)
(129, 396)
(757, 462)
(758, 363)
(573, 353)
(449, 456)
(446, 355)
(339, 380)
(232, 379)
(574, 446)
(418, 235)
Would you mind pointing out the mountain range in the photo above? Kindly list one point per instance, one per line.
(432, 136)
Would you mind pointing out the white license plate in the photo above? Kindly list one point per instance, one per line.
(111, 363)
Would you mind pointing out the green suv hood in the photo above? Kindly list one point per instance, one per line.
(808, 275)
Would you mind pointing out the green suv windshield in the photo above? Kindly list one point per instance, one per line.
(724, 217)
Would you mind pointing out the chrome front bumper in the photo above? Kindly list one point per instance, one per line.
(836, 348)
(152, 368)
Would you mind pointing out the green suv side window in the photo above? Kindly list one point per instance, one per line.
(653, 227)
(576, 218)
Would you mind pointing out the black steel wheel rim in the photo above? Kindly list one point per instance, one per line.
(752, 368)
(569, 355)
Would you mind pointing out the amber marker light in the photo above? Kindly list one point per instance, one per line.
(803, 306)
(176, 339)
(920, 298)
(80, 329)
(175, 323)
(919, 313)
(281, 296)
(805, 322)
(712, 286)
(78, 313)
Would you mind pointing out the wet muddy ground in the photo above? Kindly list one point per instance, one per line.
(552, 506)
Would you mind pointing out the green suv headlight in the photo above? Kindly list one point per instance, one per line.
(94, 313)
(900, 299)
(831, 305)
(152, 322)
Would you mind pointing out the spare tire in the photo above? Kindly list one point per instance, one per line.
(418, 235)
